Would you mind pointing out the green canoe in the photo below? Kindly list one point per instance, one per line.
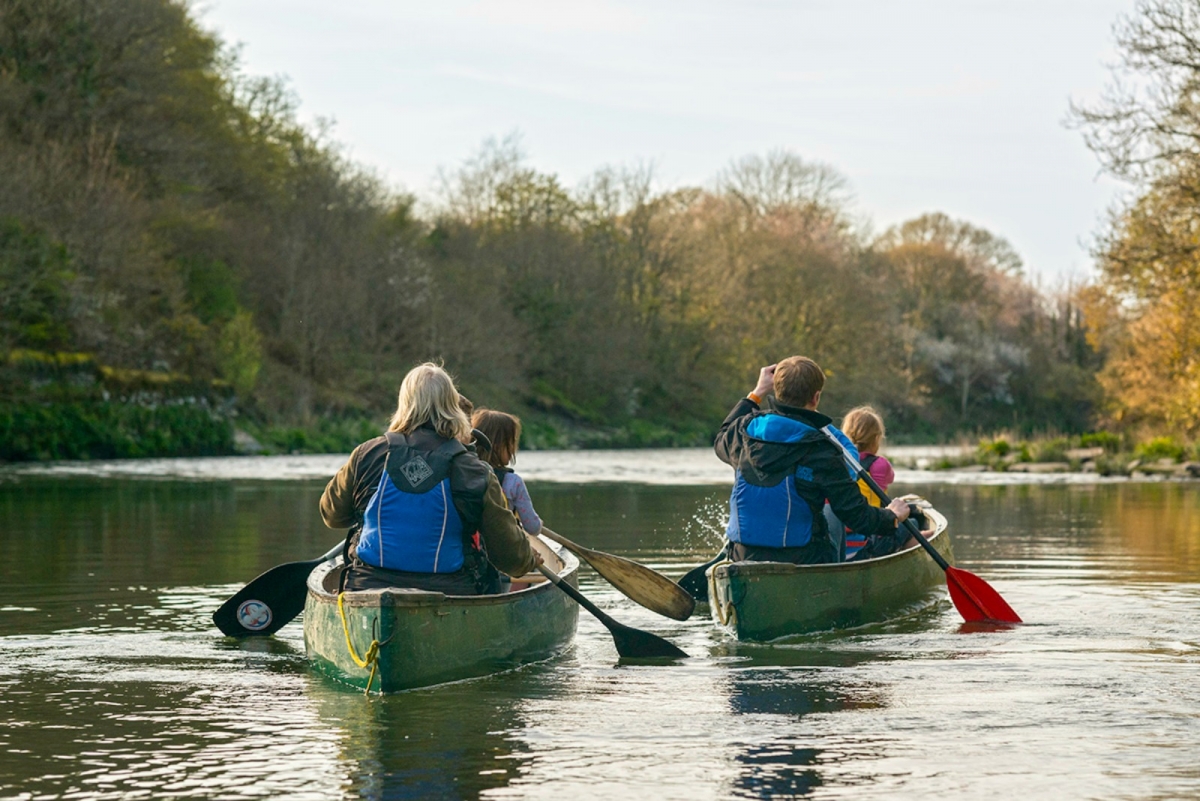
(428, 637)
(765, 600)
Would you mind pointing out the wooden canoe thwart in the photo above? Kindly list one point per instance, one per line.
(428, 637)
(765, 600)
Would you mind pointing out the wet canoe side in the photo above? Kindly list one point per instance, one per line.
(765, 600)
(431, 637)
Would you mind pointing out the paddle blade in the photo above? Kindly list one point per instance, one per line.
(637, 644)
(976, 600)
(268, 603)
(641, 584)
(695, 583)
(630, 642)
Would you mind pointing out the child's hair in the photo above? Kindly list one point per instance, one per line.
(504, 431)
(864, 427)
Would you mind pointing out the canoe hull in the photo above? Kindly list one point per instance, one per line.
(429, 638)
(761, 601)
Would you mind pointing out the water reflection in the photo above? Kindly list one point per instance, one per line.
(455, 741)
(97, 717)
(1135, 531)
(786, 764)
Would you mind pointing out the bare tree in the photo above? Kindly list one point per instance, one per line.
(1149, 119)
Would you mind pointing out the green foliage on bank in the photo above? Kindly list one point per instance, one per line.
(326, 435)
(1161, 448)
(67, 405)
(110, 430)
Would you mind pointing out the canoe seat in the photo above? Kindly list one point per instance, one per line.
(549, 556)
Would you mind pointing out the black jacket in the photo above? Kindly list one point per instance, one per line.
(766, 463)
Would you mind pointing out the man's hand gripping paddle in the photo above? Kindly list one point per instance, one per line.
(973, 597)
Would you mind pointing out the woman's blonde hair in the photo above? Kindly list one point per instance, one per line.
(864, 427)
(428, 395)
(502, 430)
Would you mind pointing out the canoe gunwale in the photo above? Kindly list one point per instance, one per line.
(772, 568)
(404, 597)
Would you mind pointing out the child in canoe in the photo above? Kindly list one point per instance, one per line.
(864, 426)
(504, 434)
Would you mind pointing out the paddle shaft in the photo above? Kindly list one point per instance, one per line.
(639, 583)
(573, 547)
(331, 553)
(577, 595)
(884, 500)
(629, 642)
(695, 581)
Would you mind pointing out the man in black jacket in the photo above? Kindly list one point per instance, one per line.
(786, 468)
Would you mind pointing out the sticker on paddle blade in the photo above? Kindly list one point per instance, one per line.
(254, 615)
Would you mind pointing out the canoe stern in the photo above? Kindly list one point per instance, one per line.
(766, 600)
(427, 637)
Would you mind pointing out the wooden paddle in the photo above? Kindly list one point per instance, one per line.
(271, 601)
(695, 582)
(639, 583)
(972, 596)
(630, 642)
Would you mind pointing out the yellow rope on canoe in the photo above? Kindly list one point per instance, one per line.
(372, 656)
(724, 612)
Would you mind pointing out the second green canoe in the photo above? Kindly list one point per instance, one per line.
(766, 600)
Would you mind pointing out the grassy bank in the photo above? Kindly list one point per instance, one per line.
(540, 432)
(57, 405)
(60, 405)
(111, 430)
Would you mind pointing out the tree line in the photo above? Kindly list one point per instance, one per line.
(1144, 310)
(169, 217)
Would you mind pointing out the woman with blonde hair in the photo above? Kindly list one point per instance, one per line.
(422, 509)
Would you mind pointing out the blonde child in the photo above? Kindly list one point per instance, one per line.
(864, 426)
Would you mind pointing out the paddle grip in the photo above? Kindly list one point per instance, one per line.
(884, 500)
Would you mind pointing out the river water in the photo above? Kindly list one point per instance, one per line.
(114, 684)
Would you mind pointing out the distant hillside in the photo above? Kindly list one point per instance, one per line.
(165, 213)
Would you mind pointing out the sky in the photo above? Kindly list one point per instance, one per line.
(956, 106)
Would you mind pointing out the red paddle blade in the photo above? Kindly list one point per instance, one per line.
(976, 600)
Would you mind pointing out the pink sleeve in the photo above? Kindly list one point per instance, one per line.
(883, 473)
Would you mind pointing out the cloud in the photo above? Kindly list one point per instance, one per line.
(558, 16)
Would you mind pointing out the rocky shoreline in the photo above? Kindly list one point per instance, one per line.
(1083, 461)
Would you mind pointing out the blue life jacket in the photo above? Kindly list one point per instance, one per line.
(411, 523)
(774, 515)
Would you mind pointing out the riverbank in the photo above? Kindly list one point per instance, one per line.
(1102, 454)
